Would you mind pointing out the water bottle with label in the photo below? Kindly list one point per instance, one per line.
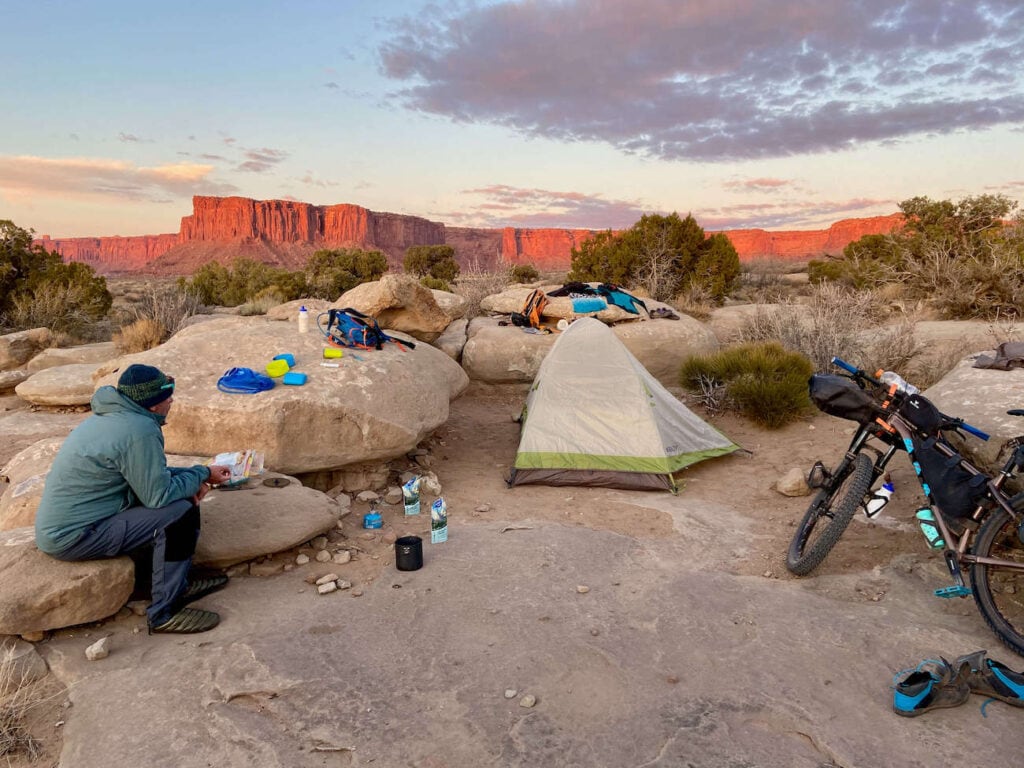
(303, 319)
(888, 377)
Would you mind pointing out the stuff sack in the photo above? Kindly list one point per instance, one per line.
(349, 327)
(955, 490)
(840, 396)
(920, 412)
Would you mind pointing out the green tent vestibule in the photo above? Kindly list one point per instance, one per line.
(595, 416)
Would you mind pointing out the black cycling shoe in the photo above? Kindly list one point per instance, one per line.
(202, 587)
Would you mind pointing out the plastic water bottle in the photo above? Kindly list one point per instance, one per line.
(888, 377)
(303, 319)
(879, 499)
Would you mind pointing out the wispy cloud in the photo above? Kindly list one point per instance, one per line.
(261, 160)
(506, 206)
(128, 138)
(791, 214)
(22, 177)
(716, 81)
(758, 185)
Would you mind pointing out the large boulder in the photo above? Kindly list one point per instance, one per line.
(453, 339)
(377, 404)
(261, 518)
(401, 303)
(24, 478)
(63, 385)
(981, 397)
(21, 428)
(11, 379)
(18, 348)
(99, 352)
(506, 354)
(41, 593)
(451, 304)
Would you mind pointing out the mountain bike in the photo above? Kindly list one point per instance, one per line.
(970, 516)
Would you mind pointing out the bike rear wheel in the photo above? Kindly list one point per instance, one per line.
(828, 515)
(999, 590)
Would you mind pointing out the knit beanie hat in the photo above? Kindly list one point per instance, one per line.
(145, 385)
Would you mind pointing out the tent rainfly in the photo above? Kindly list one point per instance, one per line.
(595, 416)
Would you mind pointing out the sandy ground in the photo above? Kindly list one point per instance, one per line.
(422, 646)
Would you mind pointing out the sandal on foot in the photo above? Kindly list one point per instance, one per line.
(932, 684)
(187, 621)
(988, 677)
(202, 587)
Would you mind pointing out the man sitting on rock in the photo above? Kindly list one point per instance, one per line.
(110, 492)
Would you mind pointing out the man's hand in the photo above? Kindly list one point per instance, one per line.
(219, 474)
(203, 490)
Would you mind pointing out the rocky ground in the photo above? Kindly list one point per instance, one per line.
(556, 627)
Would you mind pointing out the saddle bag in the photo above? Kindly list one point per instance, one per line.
(955, 490)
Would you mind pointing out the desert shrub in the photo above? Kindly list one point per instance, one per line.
(524, 273)
(663, 254)
(435, 283)
(329, 273)
(476, 283)
(68, 308)
(437, 261)
(168, 306)
(695, 300)
(764, 381)
(145, 333)
(213, 283)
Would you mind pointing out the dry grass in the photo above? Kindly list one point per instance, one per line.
(51, 306)
(696, 301)
(18, 697)
(145, 333)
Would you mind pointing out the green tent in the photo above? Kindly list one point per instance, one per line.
(595, 416)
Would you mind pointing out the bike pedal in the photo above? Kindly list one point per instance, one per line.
(954, 591)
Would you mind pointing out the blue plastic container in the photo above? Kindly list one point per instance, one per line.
(373, 520)
(288, 358)
(294, 378)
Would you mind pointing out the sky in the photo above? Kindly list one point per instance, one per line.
(778, 114)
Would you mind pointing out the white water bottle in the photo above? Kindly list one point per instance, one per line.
(879, 499)
(303, 319)
(888, 377)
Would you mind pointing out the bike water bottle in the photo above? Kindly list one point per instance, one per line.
(888, 377)
(926, 519)
(303, 319)
(879, 499)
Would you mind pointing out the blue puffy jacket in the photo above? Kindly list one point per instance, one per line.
(111, 461)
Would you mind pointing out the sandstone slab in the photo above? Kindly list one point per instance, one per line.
(99, 352)
(25, 477)
(258, 519)
(41, 593)
(376, 407)
(451, 304)
(10, 379)
(18, 348)
(505, 354)
(21, 662)
(981, 397)
(63, 385)
(512, 300)
(23, 427)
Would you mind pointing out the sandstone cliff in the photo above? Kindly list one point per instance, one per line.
(285, 232)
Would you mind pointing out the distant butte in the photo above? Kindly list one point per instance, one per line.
(284, 233)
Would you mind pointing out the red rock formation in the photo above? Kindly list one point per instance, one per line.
(111, 254)
(284, 233)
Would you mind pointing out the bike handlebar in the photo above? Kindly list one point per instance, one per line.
(953, 423)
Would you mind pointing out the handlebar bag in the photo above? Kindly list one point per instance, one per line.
(840, 396)
(954, 489)
(920, 412)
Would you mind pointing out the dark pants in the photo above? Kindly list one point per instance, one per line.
(171, 532)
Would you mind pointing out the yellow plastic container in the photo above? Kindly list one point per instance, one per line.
(330, 353)
(277, 368)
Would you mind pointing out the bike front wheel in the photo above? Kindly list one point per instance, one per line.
(999, 589)
(829, 514)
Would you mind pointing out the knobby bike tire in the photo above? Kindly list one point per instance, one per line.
(998, 591)
(833, 509)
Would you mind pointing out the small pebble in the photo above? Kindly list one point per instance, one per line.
(98, 650)
(326, 589)
(484, 508)
(390, 537)
(767, 574)
(367, 496)
(342, 584)
(138, 607)
(582, 589)
(323, 556)
(302, 559)
(342, 557)
(320, 542)
(595, 632)
(357, 593)
(510, 693)
(528, 701)
(326, 578)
